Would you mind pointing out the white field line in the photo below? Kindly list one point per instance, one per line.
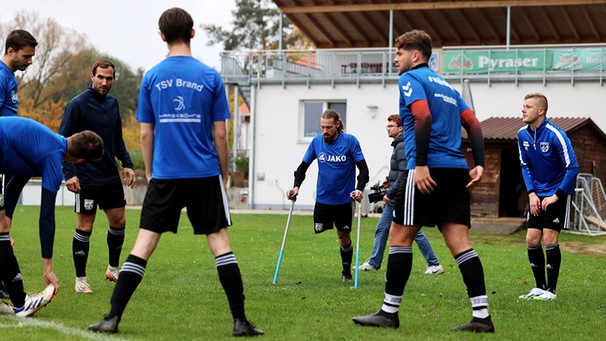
(12, 322)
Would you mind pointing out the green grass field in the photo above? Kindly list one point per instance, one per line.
(180, 297)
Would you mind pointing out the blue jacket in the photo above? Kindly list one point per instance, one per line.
(549, 165)
(101, 114)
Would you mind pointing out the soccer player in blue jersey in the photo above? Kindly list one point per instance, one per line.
(338, 155)
(437, 183)
(19, 49)
(28, 148)
(549, 169)
(98, 183)
(397, 172)
(182, 110)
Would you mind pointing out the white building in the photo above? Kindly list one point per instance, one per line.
(287, 98)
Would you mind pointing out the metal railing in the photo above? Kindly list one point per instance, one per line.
(274, 66)
(550, 63)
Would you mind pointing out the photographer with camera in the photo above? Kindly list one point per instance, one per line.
(387, 192)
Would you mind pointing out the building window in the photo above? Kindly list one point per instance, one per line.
(310, 113)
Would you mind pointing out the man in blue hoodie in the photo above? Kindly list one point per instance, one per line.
(393, 184)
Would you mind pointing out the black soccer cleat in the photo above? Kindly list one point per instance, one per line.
(107, 325)
(477, 325)
(346, 276)
(379, 319)
(245, 328)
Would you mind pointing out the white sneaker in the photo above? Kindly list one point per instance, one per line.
(434, 270)
(82, 286)
(367, 267)
(545, 296)
(34, 302)
(112, 273)
(533, 293)
(6, 309)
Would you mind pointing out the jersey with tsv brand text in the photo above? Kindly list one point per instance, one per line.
(445, 105)
(188, 96)
(548, 150)
(336, 167)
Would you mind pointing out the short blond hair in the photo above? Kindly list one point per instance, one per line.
(540, 98)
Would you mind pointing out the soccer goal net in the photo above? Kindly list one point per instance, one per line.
(589, 206)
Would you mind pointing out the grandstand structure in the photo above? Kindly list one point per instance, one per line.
(499, 50)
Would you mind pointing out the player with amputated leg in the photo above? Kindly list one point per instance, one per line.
(338, 155)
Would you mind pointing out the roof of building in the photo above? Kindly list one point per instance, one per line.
(506, 128)
(365, 23)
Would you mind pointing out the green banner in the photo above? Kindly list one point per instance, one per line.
(488, 61)
(494, 61)
(578, 59)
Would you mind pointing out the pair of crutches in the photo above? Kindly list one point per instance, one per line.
(286, 234)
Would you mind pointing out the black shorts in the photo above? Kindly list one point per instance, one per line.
(341, 216)
(555, 218)
(204, 198)
(448, 203)
(104, 196)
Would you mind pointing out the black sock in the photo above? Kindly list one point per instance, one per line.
(346, 257)
(80, 248)
(130, 276)
(231, 280)
(473, 277)
(554, 258)
(399, 265)
(10, 273)
(537, 265)
(115, 240)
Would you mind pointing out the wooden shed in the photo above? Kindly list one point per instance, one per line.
(501, 192)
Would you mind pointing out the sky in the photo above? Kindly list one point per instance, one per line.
(128, 29)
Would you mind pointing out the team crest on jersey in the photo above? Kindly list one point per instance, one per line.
(544, 147)
(88, 204)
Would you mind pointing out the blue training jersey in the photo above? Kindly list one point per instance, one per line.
(336, 167)
(182, 97)
(28, 148)
(9, 101)
(446, 105)
(548, 161)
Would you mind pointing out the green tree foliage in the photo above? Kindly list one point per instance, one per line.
(55, 47)
(61, 70)
(256, 26)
